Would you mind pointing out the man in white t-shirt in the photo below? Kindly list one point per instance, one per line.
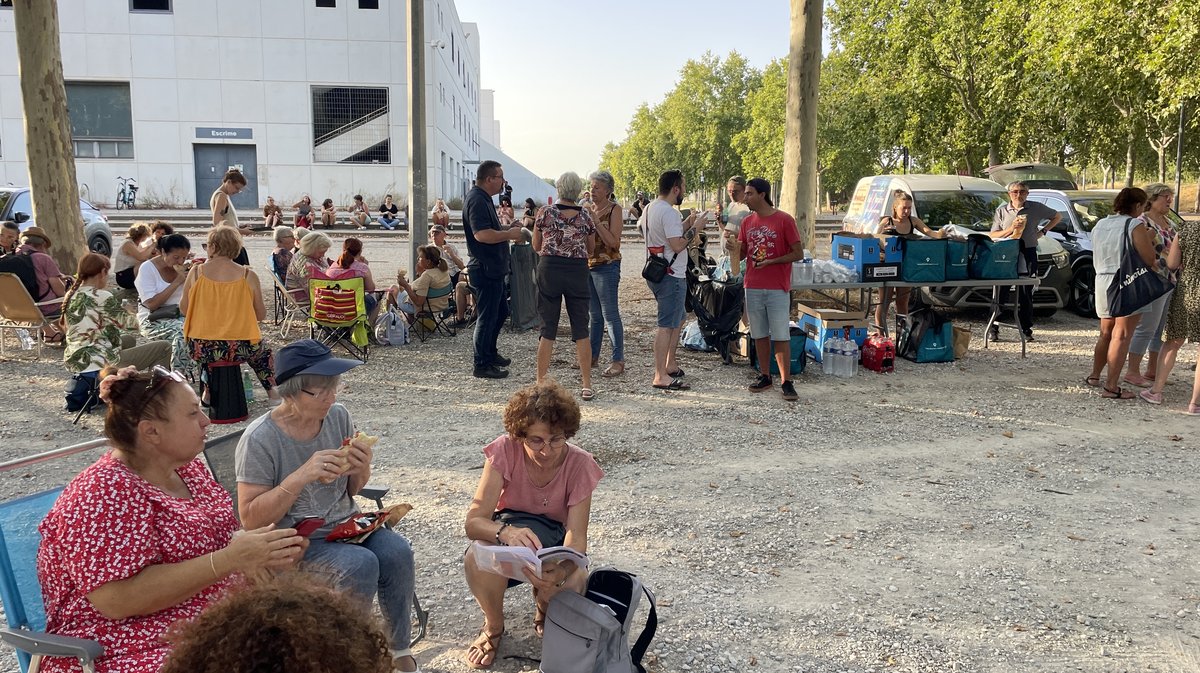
(667, 235)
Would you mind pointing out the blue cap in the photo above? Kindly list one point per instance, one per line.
(309, 356)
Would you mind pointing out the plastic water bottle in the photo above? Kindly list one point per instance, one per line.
(26, 339)
(852, 367)
(248, 384)
(827, 356)
(843, 359)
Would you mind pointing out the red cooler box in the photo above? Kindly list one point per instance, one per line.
(879, 354)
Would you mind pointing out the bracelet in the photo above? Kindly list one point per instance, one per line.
(284, 489)
(213, 564)
(500, 530)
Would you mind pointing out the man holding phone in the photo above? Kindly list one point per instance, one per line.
(1025, 221)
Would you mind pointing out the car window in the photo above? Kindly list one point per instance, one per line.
(4, 197)
(22, 204)
(971, 209)
(1060, 205)
(1091, 211)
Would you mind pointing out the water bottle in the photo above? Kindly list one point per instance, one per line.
(26, 339)
(248, 384)
(854, 355)
(827, 356)
(849, 360)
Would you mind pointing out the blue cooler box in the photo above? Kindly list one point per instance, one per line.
(993, 260)
(855, 250)
(821, 324)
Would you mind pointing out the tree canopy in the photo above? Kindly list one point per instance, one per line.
(959, 84)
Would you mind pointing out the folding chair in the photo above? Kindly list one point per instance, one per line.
(18, 310)
(220, 452)
(19, 587)
(338, 314)
(288, 311)
(417, 321)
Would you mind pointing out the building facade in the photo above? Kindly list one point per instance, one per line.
(305, 96)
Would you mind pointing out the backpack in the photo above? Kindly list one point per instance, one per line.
(391, 329)
(78, 392)
(589, 633)
(21, 265)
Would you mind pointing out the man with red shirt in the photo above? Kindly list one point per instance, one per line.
(770, 243)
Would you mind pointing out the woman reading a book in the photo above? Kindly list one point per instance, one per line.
(535, 492)
(302, 463)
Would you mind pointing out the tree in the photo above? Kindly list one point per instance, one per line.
(760, 142)
(799, 193)
(48, 130)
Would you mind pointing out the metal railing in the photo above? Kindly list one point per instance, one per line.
(65, 451)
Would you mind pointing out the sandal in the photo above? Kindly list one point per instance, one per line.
(675, 384)
(487, 644)
(1093, 381)
(1139, 381)
(587, 394)
(677, 374)
(1193, 410)
(1118, 394)
(615, 369)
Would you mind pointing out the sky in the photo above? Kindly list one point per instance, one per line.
(569, 74)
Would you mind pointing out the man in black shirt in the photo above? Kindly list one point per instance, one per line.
(488, 243)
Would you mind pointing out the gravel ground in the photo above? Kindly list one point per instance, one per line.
(988, 515)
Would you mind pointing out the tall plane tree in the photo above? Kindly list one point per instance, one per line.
(799, 193)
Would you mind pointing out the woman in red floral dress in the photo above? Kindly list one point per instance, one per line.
(145, 537)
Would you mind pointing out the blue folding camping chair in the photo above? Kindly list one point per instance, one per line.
(19, 587)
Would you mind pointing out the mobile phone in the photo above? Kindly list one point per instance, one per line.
(308, 525)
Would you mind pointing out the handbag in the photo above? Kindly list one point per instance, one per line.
(1134, 285)
(656, 267)
(164, 312)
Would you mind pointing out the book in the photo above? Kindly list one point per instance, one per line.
(508, 561)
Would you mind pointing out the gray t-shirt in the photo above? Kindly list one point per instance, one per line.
(1035, 213)
(266, 455)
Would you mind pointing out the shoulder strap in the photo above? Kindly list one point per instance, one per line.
(643, 642)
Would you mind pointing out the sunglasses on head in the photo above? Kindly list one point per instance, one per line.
(158, 376)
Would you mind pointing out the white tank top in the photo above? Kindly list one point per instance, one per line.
(230, 215)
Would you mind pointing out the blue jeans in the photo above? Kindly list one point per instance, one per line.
(382, 565)
(389, 223)
(606, 314)
(491, 310)
(1148, 335)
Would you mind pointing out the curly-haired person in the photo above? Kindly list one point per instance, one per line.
(291, 623)
(536, 491)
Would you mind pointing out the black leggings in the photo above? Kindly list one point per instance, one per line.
(558, 279)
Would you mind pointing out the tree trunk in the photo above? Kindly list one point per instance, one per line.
(1196, 205)
(1129, 155)
(994, 153)
(1162, 161)
(48, 131)
(799, 193)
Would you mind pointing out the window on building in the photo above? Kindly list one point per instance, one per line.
(101, 119)
(6, 4)
(150, 5)
(326, 3)
(351, 125)
(368, 4)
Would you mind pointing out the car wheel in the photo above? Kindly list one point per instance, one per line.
(100, 245)
(1083, 291)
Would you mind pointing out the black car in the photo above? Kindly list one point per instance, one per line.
(16, 204)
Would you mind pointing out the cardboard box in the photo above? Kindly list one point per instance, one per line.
(820, 324)
(893, 249)
(855, 250)
(885, 271)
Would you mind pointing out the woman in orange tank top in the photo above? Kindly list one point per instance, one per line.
(222, 303)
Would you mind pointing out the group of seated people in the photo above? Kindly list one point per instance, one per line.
(144, 540)
(306, 215)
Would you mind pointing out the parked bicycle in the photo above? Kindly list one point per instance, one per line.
(126, 192)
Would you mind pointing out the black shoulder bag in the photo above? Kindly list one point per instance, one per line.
(1134, 285)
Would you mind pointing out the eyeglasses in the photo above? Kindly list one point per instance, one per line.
(336, 390)
(1019, 191)
(536, 443)
(158, 375)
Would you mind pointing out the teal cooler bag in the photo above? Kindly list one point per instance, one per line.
(799, 339)
(924, 261)
(993, 260)
(937, 344)
(925, 336)
(957, 260)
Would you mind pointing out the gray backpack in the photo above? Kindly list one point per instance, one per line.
(590, 633)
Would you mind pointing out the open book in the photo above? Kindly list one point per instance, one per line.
(508, 561)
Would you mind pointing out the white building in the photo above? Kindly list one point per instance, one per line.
(305, 96)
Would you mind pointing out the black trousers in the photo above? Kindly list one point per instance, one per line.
(1024, 292)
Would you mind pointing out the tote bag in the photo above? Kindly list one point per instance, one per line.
(1135, 284)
